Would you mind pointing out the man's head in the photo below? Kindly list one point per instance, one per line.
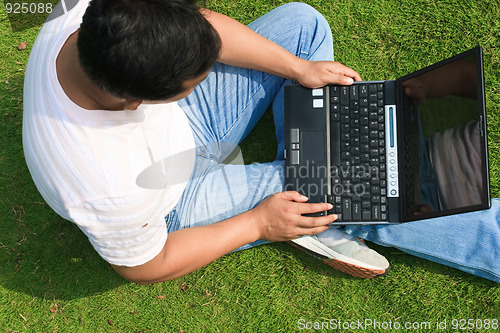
(146, 49)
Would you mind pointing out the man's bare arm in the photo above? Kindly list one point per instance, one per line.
(243, 47)
(277, 218)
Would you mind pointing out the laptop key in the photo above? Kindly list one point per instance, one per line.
(344, 95)
(363, 91)
(334, 90)
(354, 92)
(335, 145)
(376, 212)
(356, 211)
(346, 208)
(366, 215)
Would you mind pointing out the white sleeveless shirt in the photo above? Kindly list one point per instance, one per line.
(115, 174)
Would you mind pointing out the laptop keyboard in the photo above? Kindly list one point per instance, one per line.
(358, 153)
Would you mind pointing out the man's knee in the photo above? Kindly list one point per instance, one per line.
(299, 12)
(315, 34)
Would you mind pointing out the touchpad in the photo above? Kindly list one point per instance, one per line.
(312, 146)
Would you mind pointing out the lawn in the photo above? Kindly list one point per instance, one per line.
(51, 280)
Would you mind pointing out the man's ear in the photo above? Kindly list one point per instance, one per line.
(132, 104)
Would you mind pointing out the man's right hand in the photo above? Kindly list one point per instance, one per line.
(279, 217)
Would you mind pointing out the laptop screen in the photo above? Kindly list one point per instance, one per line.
(445, 167)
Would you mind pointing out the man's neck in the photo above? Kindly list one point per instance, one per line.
(77, 85)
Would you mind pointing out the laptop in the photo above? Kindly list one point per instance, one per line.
(394, 151)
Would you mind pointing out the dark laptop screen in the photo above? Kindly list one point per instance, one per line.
(444, 161)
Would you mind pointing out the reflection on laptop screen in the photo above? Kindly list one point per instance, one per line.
(444, 155)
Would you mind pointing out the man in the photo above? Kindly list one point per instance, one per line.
(129, 117)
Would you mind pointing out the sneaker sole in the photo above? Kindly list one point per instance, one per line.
(341, 263)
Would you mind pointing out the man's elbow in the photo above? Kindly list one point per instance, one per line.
(142, 277)
(156, 270)
(137, 280)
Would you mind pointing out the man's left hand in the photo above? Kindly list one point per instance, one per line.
(316, 74)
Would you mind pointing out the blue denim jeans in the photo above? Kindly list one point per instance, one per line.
(225, 107)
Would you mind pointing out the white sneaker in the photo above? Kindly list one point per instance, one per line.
(347, 254)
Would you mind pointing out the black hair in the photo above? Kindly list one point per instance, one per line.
(145, 49)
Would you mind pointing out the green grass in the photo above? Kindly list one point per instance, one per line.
(52, 280)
